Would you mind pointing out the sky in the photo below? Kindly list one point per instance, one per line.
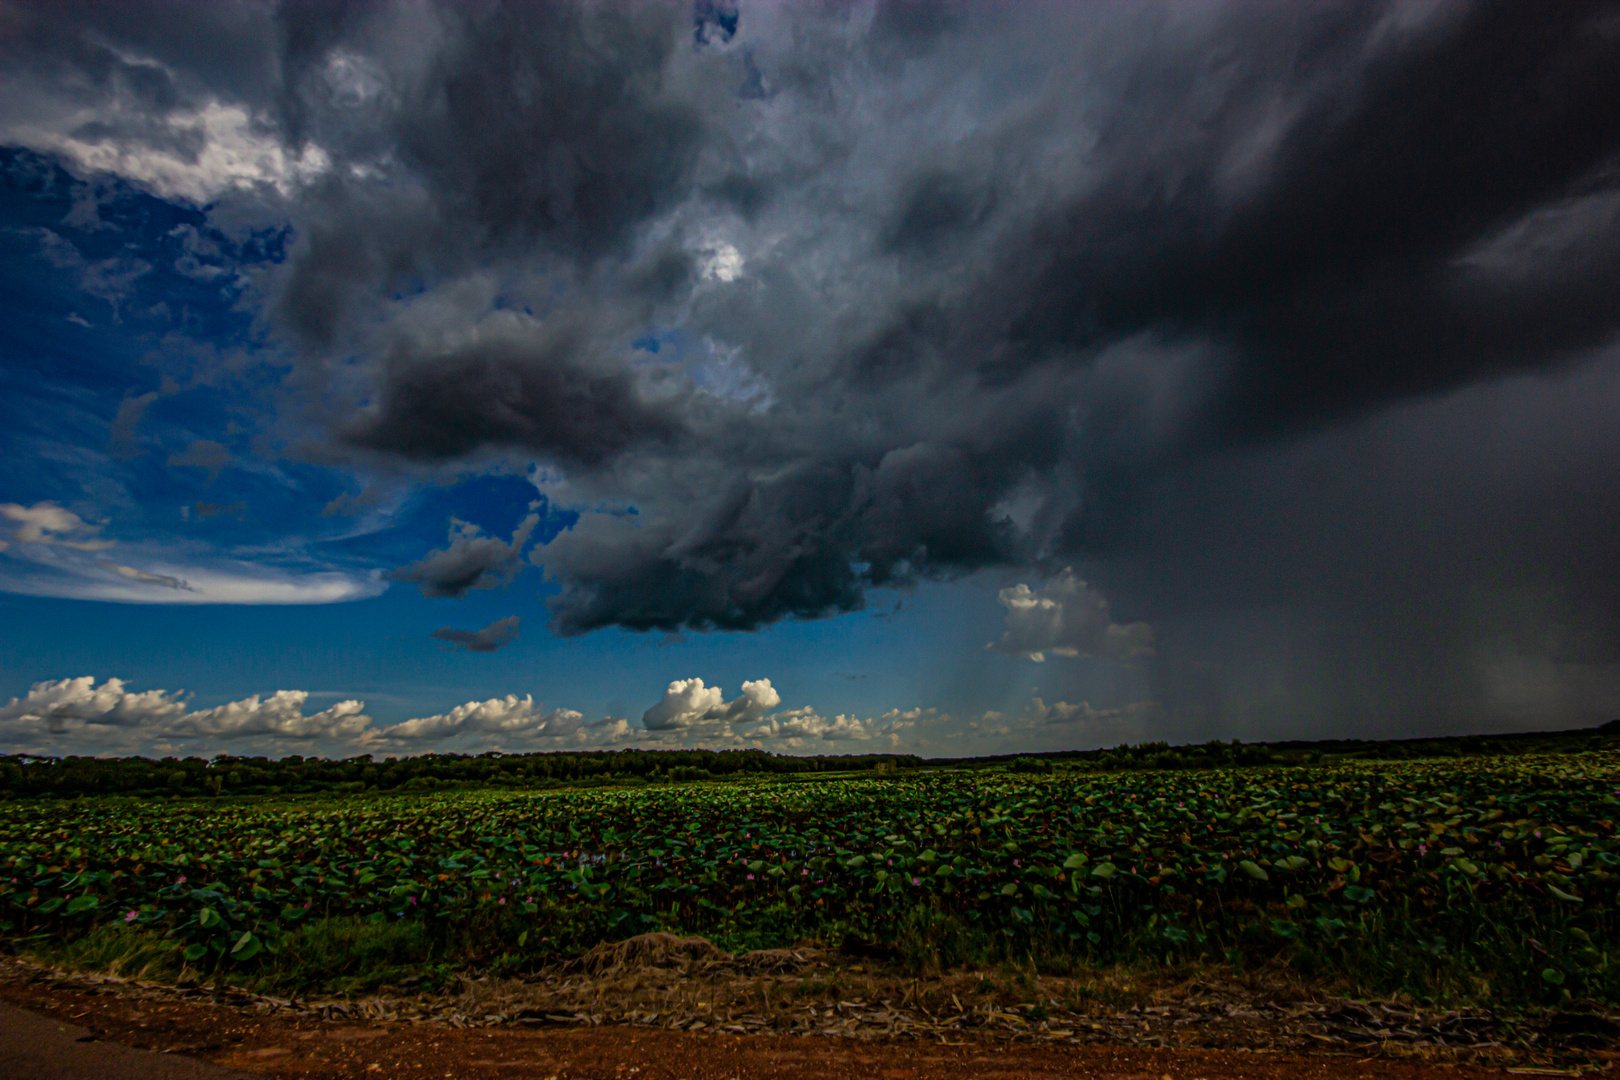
(937, 378)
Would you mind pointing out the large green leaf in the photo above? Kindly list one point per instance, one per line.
(247, 946)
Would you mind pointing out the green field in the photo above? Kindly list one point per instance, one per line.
(1453, 880)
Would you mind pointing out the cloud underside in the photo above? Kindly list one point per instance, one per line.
(858, 295)
(983, 331)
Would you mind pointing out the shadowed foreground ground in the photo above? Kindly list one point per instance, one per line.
(36, 1046)
(51, 1040)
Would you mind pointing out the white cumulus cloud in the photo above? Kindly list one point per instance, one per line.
(806, 723)
(687, 702)
(510, 717)
(72, 704)
(281, 715)
(1067, 618)
(78, 716)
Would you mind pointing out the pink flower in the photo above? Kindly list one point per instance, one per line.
(181, 880)
(502, 900)
(132, 916)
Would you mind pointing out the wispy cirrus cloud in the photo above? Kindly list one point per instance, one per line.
(205, 454)
(210, 579)
(130, 573)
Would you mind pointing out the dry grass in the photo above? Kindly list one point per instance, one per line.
(688, 983)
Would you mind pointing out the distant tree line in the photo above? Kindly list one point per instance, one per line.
(27, 776)
(1237, 754)
(24, 776)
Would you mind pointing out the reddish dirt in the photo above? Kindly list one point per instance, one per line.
(302, 1047)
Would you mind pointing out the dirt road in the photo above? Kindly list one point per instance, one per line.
(43, 1042)
(36, 1047)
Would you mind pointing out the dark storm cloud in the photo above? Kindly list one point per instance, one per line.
(1314, 209)
(492, 638)
(1291, 216)
(1441, 565)
(758, 553)
(1337, 276)
(508, 396)
(808, 537)
(145, 52)
(523, 128)
(713, 21)
(792, 302)
(472, 561)
(935, 207)
(546, 121)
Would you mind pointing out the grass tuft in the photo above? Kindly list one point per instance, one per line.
(127, 952)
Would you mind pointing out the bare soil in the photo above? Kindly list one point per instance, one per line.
(661, 1007)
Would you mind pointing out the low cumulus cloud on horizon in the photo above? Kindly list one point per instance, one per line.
(76, 716)
(80, 716)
